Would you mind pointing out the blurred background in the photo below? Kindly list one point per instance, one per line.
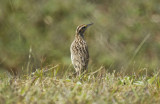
(37, 33)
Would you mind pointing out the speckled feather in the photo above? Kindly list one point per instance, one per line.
(79, 51)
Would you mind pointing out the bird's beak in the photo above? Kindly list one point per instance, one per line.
(89, 24)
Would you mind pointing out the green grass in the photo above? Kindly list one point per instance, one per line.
(55, 85)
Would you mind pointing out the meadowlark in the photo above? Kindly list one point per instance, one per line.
(79, 50)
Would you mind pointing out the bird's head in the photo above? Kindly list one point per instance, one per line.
(82, 28)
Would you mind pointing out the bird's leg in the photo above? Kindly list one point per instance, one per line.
(78, 73)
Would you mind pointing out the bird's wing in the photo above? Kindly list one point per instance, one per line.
(74, 55)
(85, 54)
(79, 55)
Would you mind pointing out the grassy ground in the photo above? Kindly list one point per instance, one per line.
(55, 86)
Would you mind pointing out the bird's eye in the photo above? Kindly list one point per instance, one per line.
(83, 27)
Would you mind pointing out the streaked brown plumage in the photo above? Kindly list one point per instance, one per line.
(79, 50)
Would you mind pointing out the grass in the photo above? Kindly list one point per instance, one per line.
(55, 85)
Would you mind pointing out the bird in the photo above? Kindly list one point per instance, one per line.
(79, 50)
